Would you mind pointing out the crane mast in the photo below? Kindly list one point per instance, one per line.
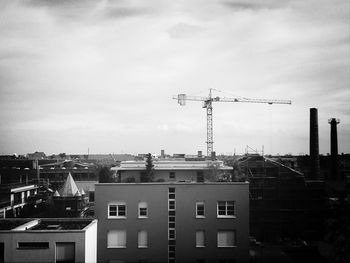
(207, 103)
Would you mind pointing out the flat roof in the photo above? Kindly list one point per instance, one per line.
(173, 165)
(8, 224)
(49, 224)
(177, 183)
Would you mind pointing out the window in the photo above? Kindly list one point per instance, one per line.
(117, 210)
(200, 210)
(200, 238)
(116, 239)
(143, 213)
(142, 239)
(200, 177)
(171, 204)
(226, 238)
(172, 175)
(171, 233)
(65, 252)
(33, 245)
(226, 209)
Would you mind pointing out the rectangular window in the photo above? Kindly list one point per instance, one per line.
(226, 238)
(117, 210)
(200, 209)
(172, 248)
(200, 177)
(33, 245)
(116, 239)
(172, 175)
(200, 238)
(143, 211)
(142, 239)
(171, 204)
(65, 252)
(171, 196)
(226, 209)
(171, 233)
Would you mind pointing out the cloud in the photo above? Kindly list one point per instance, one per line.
(105, 71)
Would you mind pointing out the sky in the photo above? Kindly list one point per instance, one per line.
(99, 76)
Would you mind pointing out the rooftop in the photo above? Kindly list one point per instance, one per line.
(173, 164)
(53, 224)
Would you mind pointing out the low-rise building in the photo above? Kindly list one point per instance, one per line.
(48, 240)
(13, 197)
(175, 170)
(173, 222)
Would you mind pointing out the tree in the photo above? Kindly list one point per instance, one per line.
(147, 176)
(237, 173)
(105, 175)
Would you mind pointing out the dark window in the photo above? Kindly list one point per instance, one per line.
(200, 177)
(171, 218)
(33, 245)
(172, 175)
(171, 233)
(171, 213)
(171, 254)
(91, 196)
(171, 190)
(226, 208)
(171, 225)
(200, 209)
(172, 248)
(171, 196)
(117, 210)
(171, 242)
(65, 252)
(171, 204)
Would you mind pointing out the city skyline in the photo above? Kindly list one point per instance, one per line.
(100, 75)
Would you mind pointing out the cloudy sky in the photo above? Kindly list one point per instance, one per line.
(101, 74)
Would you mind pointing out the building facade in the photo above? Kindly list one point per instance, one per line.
(172, 222)
(48, 240)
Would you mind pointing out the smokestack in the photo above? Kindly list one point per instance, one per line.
(162, 154)
(200, 155)
(314, 148)
(334, 148)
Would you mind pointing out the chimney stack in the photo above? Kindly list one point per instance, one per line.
(334, 148)
(200, 154)
(314, 148)
(162, 154)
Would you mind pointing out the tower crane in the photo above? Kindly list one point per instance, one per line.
(207, 103)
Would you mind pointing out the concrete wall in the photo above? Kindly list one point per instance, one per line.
(156, 224)
(91, 242)
(12, 254)
(156, 195)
